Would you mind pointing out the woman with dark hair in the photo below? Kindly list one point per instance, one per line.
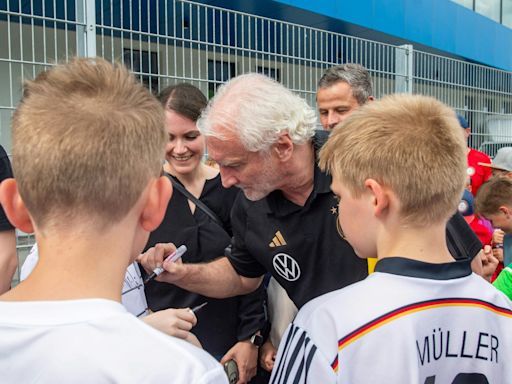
(224, 326)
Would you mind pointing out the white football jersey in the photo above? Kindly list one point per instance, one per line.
(409, 322)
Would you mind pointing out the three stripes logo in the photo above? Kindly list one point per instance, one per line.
(277, 241)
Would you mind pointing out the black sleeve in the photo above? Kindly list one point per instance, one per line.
(252, 313)
(5, 173)
(239, 256)
(461, 240)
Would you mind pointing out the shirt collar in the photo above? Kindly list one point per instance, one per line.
(413, 268)
(58, 312)
(321, 183)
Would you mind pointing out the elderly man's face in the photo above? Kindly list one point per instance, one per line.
(335, 103)
(253, 172)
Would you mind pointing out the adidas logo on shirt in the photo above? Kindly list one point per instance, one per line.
(277, 241)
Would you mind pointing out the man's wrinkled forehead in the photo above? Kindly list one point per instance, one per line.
(223, 116)
(224, 144)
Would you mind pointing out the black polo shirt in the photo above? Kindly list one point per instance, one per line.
(300, 246)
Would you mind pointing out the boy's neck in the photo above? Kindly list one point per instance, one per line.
(427, 244)
(77, 266)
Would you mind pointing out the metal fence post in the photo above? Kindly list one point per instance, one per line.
(404, 69)
(86, 30)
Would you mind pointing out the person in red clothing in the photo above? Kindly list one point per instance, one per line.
(480, 226)
(466, 209)
(477, 173)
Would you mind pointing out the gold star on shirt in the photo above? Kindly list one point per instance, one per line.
(334, 210)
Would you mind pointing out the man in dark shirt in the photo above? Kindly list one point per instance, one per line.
(263, 138)
(344, 88)
(8, 257)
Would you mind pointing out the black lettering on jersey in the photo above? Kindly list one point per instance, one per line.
(462, 354)
(481, 344)
(494, 348)
(451, 344)
(426, 350)
(437, 343)
(448, 354)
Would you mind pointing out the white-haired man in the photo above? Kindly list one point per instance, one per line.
(263, 137)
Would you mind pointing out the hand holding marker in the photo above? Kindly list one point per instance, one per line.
(169, 259)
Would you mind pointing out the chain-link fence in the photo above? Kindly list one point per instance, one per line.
(481, 94)
(169, 41)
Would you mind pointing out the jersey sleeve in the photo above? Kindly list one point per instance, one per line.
(299, 360)
(242, 261)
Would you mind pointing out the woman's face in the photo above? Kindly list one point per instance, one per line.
(185, 148)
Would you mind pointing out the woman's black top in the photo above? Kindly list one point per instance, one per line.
(222, 322)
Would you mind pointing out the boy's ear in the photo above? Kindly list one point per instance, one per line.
(14, 207)
(283, 147)
(506, 211)
(159, 193)
(379, 196)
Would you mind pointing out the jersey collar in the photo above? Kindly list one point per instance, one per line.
(413, 268)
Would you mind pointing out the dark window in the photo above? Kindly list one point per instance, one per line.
(274, 73)
(144, 65)
(218, 73)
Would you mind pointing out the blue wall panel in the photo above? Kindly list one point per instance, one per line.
(440, 24)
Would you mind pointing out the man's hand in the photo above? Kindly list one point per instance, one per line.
(245, 354)
(217, 278)
(155, 257)
(174, 322)
(268, 355)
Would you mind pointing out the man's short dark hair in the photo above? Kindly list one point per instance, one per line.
(354, 75)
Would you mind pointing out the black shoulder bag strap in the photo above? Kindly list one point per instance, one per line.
(455, 245)
(195, 200)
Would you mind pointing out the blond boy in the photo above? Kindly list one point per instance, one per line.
(398, 168)
(88, 141)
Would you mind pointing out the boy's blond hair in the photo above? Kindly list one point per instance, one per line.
(87, 138)
(492, 195)
(411, 144)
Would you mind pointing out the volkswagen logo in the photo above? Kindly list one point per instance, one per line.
(286, 266)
